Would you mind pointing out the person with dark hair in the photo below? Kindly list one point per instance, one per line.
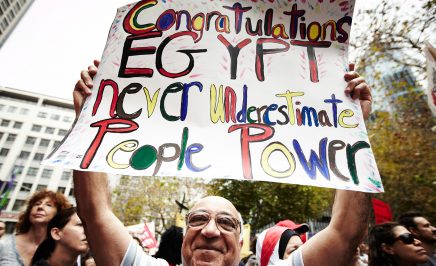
(65, 241)
(278, 242)
(423, 230)
(391, 244)
(87, 259)
(170, 246)
(31, 228)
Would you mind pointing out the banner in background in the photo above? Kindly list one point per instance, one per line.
(249, 90)
(382, 211)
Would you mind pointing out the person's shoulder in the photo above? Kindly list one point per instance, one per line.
(137, 257)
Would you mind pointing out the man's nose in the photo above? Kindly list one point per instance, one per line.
(211, 230)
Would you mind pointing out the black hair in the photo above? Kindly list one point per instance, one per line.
(381, 234)
(170, 245)
(408, 219)
(47, 246)
(284, 239)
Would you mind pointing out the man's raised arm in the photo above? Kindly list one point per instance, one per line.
(337, 244)
(106, 234)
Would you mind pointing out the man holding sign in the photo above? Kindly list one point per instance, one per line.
(213, 233)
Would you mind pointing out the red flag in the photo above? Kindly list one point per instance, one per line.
(147, 238)
(382, 211)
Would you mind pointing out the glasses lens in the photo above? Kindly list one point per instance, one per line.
(406, 238)
(198, 219)
(227, 223)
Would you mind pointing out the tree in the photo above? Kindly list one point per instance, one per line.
(153, 199)
(263, 203)
(389, 47)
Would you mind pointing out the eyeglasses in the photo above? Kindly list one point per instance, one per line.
(225, 222)
(406, 238)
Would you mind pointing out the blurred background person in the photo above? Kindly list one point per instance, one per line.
(31, 229)
(391, 244)
(87, 259)
(423, 230)
(278, 242)
(170, 246)
(65, 241)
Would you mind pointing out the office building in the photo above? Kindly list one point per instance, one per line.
(31, 125)
(11, 11)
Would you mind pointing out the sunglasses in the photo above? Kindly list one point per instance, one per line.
(225, 222)
(406, 238)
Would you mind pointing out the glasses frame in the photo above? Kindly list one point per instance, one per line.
(222, 230)
(405, 238)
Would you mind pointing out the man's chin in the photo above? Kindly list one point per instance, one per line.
(207, 257)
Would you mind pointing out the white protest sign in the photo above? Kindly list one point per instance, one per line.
(248, 90)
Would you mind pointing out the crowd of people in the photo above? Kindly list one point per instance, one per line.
(50, 232)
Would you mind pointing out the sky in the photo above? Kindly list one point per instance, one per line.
(56, 39)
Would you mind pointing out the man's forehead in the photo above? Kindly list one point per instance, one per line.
(421, 220)
(215, 204)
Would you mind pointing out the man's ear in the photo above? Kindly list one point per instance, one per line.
(241, 243)
(388, 249)
(55, 233)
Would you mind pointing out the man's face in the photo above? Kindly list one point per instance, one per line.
(2, 229)
(424, 230)
(211, 245)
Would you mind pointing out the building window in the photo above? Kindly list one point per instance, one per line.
(36, 128)
(71, 192)
(56, 144)
(24, 155)
(11, 137)
(55, 117)
(42, 114)
(32, 171)
(5, 123)
(18, 204)
(26, 187)
(41, 187)
(18, 125)
(38, 157)
(2, 106)
(67, 119)
(18, 169)
(44, 143)
(49, 130)
(12, 109)
(65, 175)
(46, 173)
(30, 140)
(61, 190)
(4, 152)
(62, 132)
(24, 111)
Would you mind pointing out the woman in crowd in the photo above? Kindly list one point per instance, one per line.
(278, 242)
(65, 241)
(31, 229)
(391, 244)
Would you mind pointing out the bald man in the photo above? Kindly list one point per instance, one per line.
(213, 225)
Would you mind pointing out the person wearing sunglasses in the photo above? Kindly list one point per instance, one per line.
(391, 244)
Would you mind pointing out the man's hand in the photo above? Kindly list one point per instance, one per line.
(358, 89)
(83, 86)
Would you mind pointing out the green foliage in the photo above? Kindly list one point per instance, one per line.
(262, 203)
(153, 199)
(402, 129)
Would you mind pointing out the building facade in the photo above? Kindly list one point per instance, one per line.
(31, 126)
(11, 11)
